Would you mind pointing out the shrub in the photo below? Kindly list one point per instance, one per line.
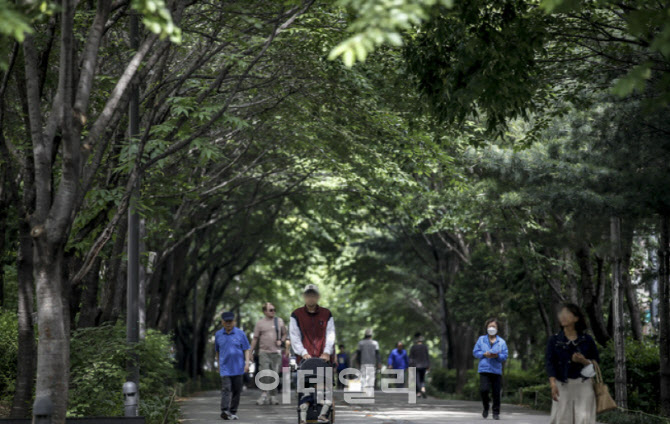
(642, 368)
(443, 380)
(471, 388)
(209, 380)
(538, 396)
(643, 384)
(8, 353)
(618, 417)
(514, 378)
(439, 380)
(98, 370)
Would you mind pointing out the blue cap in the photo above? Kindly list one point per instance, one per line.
(228, 316)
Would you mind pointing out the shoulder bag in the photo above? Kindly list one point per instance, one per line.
(604, 401)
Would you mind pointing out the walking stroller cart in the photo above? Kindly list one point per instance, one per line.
(319, 402)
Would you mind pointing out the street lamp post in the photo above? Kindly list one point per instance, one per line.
(132, 313)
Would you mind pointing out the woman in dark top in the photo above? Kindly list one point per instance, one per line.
(569, 361)
(420, 359)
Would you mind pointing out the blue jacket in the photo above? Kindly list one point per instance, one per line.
(490, 365)
(231, 347)
(398, 359)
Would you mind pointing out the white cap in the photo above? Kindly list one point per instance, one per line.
(311, 288)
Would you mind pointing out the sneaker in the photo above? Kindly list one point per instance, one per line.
(496, 416)
(274, 400)
(234, 417)
(262, 400)
(485, 414)
(226, 415)
(323, 419)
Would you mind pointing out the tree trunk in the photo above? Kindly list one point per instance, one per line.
(574, 292)
(113, 291)
(27, 358)
(631, 296)
(26, 366)
(546, 321)
(70, 264)
(664, 312)
(177, 270)
(460, 353)
(4, 219)
(155, 282)
(53, 349)
(8, 190)
(142, 286)
(557, 296)
(444, 329)
(592, 302)
(88, 316)
(633, 307)
(617, 315)
(526, 360)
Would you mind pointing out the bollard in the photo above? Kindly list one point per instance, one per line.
(43, 410)
(130, 399)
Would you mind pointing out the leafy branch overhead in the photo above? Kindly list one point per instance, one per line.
(157, 18)
(378, 22)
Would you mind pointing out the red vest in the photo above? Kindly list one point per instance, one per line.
(313, 328)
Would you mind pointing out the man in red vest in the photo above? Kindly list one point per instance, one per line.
(312, 332)
(312, 328)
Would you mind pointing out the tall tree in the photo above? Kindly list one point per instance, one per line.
(664, 310)
(617, 314)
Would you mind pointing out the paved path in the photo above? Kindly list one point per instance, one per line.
(203, 408)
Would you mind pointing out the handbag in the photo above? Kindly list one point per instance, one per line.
(604, 401)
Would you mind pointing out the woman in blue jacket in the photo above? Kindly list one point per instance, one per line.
(491, 350)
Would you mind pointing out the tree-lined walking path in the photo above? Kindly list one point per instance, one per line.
(203, 408)
(430, 165)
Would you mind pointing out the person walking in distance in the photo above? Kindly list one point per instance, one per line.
(285, 363)
(342, 364)
(491, 350)
(368, 359)
(269, 338)
(570, 361)
(233, 355)
(398, 360)
(420, 359)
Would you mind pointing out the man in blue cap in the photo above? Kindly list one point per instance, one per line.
(233, 356)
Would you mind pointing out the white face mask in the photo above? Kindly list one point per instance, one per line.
(492, 331)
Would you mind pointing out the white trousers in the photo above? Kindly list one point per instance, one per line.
(576, 403)
(368, 378)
